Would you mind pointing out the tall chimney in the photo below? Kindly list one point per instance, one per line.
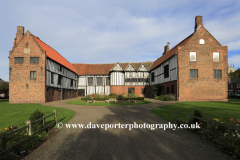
(198, 22)
(20, 33)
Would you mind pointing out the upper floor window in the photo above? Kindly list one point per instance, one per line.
(34, 59)
(99, 81)
(52, 77)
(152, 76)
(217, 74)
(193, 56)
(60, 68)
(166, 71)
(201, 41)
(90, 81)
(107, 81)
(215, 56)
(59, 79)
(71, 82)
(32, 74)
(19, 59)
(193, 73)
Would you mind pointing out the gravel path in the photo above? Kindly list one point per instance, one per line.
(115, 144)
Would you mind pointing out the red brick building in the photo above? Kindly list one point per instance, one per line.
(38, 73)
(193, 70)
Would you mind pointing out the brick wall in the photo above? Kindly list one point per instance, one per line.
(205, 87)
(22, 89)
(124, 90)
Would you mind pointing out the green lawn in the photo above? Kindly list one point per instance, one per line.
(221, 110)
(16, 114)
(111, 103)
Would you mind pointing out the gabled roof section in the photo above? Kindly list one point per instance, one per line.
(117, 67)
(130, 67)
(103, 69)
(54, 55)
(93, 69)
(212, 36)
(170, 53)
(142, 67)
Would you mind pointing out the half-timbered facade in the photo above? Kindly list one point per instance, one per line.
(119, 78)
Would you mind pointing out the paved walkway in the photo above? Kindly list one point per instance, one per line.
(115, 144)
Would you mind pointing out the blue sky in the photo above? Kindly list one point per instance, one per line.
(107, 31)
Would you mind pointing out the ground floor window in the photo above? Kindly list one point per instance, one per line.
(172, 89)
(131, 90)
(143, 90)
(167, 90)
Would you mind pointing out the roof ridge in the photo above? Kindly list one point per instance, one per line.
(55, 51)
(51, 47)
(169, 53)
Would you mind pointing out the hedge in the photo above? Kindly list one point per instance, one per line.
(137, 98)
(96, 98)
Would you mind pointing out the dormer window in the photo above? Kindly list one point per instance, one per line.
(201, 41)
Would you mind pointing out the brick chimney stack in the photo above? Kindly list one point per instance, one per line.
(198, 22)
(166, 48)
(19, 34)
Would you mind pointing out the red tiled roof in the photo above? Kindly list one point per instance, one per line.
(102, 69)
(169, 53)
(92, 69)
(54, 55)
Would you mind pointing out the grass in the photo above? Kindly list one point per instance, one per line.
(221, 110)
(17, 114)
(111, 103)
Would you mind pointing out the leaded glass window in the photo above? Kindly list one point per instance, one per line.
(99, 81)
(193, 73)
(34, 59)
(32, 74)
(19, 59)
(217, 74)
(90, 81)
(107, 81)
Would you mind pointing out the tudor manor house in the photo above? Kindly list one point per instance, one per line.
(196, 69)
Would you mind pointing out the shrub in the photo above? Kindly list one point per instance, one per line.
(120, 97)
(167, 97)
(157, 90)
(112, 95)
(35, 116)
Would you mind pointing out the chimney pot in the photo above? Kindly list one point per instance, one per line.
(166, 48)
(198, 22)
